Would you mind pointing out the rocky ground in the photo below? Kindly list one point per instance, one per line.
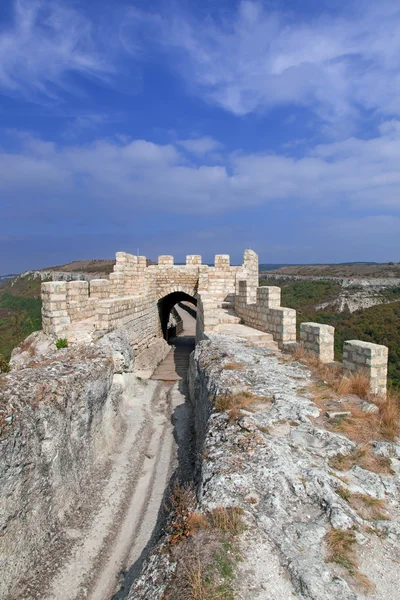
(321, 522)
(294, 494)
(87, 452)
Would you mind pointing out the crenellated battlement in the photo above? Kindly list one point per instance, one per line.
(137, 295)
(132, 294)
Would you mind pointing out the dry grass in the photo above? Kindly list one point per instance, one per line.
(233, 366)
(389, 412)
(343, 493)
(234, 403)
(343, 383)
(369, 508)
(341, 550)
(195, 580)
(229, 520)
(341, 544)
(363, 457)
(197, 521)
(205, 557)
(360, 426)
(182, 504)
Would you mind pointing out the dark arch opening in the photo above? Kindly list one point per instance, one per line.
(166, 304)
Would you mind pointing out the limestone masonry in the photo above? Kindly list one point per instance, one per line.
(140, 298)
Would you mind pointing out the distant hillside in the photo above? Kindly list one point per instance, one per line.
(377, 324)
(90, 267)
(362, 270)
(4, 278)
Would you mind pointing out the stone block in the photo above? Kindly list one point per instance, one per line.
(371, 358)
(318, 339)
(222, 260)
(165, 260)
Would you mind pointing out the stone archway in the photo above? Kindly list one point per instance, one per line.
(166, 303)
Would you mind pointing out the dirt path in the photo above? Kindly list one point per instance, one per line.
(127, 509)
(175, 365)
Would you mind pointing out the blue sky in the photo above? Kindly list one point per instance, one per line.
(186, 127)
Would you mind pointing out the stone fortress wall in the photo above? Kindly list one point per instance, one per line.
(131, 298)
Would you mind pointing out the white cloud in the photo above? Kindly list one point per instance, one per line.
(254, 59)
(200, 146)
(46, 43)
(118, 176)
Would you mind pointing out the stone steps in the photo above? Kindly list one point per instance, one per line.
(229, 305)
(253, 336)
(226, 315)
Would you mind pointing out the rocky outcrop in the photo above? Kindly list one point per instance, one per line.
(59, 423)
(272, 460)
(373, 283)
(354, 299)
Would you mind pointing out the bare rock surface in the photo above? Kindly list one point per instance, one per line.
(56, 418)
(272, 460)
(33, 347)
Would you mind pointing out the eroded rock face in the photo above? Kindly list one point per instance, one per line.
(353, 300)
(32, 348)
(58, 420)
(122, 352)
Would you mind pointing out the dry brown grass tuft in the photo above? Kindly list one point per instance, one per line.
(343, 383)
(181, 503)
(369, 508)
(197, 521)
(341, 550)
(238, 401)
(196, 581)
(363, 457)
(234, 414)
(341, 544)
(359, 426)
(362, 426)
(229, 520)
(206, 558)
(233, 366)
(389, 413)
(343, 493)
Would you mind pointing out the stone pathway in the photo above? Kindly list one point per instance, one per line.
(175, 365)
(255, 337)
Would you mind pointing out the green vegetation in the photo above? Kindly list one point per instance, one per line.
(20, 313)
(62, 343)
(378, 324)
(4, 366)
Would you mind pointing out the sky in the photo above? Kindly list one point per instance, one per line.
(185, 127)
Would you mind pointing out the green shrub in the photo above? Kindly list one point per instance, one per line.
(19, 317)
(4, 366)
(62, 343)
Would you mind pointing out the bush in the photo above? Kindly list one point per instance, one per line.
(4, 366)
(62, 343)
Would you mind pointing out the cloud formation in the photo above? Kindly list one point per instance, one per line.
(253, 59)
(46, 43)
(139, 174)
(200, 146)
